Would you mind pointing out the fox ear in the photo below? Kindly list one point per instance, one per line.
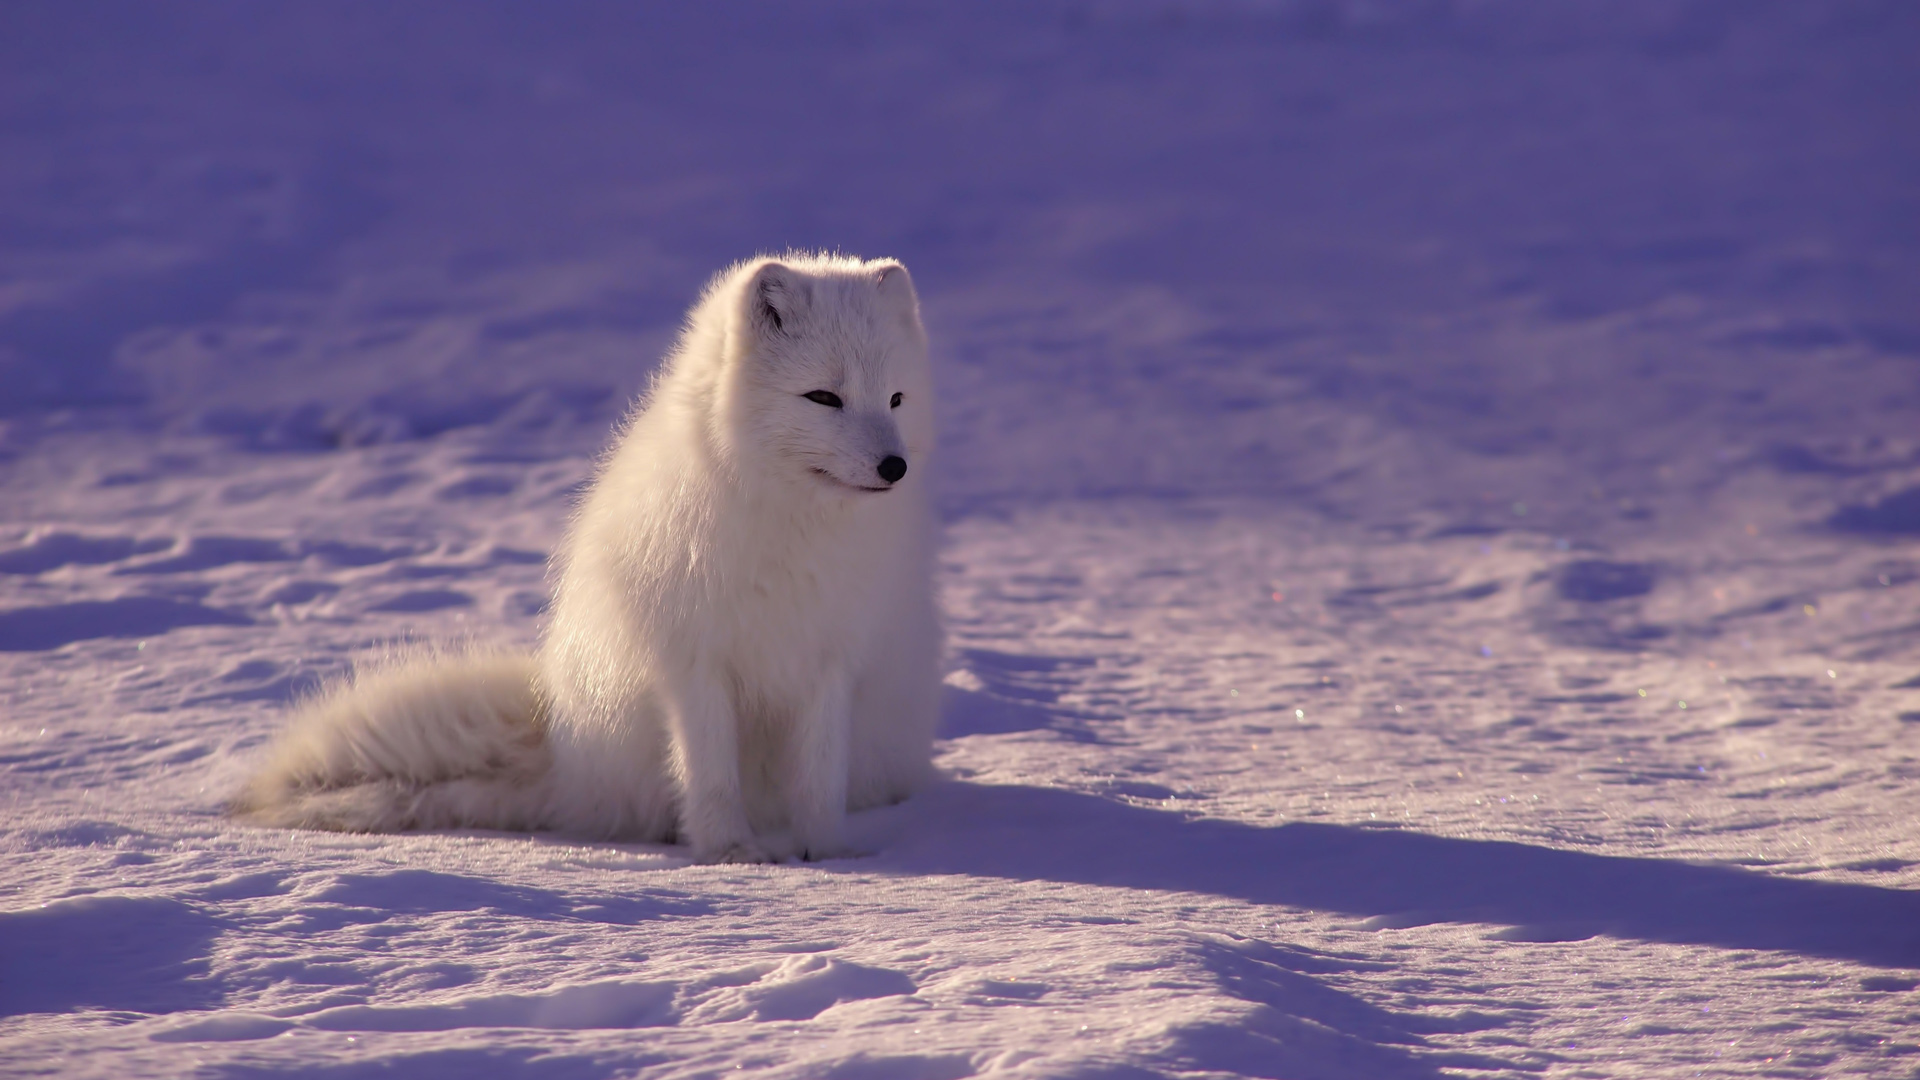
(777, 299)
(896, 284)
(896, 289)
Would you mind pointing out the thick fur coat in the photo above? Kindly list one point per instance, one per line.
(743, 642)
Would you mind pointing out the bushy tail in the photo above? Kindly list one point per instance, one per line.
(431, 742)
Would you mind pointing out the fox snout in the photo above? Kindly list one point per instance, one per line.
(885, 449)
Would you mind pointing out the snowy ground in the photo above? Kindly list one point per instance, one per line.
(1432, 492)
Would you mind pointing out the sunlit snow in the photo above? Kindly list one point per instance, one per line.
(1431, 493)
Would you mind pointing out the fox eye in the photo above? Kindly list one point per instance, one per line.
(823, 397)
(895, 403)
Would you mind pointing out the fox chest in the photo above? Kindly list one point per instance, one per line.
(802, 618)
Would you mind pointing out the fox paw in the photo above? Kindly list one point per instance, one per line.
(739, 851)
(832, 850)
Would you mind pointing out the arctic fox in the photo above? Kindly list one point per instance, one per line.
(743, 643)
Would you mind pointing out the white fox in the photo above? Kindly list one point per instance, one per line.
(743, 644)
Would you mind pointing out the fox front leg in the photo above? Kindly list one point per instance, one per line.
(817, 788)
(706, 761)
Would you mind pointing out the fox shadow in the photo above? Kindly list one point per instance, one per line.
(1398, 877)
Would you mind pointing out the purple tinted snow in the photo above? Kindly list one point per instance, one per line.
(424, 600)
(30, 629)
(1157, 243)
(1895, 515)
(1055, 835)
(415, 891)
(594, 1005)
(206, 552)
(145, 954)
(49, 551)
(1342, 170)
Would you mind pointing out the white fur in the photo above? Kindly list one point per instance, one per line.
(743, 643)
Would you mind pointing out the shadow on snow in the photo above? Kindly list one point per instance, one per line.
(143, 954)
(1403, 878)
(505, 1063)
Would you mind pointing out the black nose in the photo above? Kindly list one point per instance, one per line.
(892, 468)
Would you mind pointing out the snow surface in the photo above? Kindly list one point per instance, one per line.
(1431, 487)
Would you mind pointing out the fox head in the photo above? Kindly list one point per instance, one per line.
(831, 384)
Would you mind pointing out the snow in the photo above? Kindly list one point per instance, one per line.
(1430, 493)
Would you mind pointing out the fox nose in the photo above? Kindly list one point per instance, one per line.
(892, 468)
